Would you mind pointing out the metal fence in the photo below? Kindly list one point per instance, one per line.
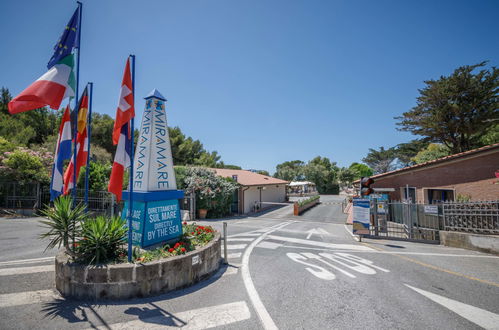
(27, 198)
(477, 217)
(424, 221)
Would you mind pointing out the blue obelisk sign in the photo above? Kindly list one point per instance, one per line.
(156, 210)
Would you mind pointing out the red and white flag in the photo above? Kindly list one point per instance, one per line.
(122, 135)
(125, 110)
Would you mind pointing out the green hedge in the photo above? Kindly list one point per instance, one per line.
(308, 200)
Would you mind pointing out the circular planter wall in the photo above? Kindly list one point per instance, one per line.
(124, 281)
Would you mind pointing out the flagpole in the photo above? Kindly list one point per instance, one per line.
(130, 201)
(89, 132)
(75, 179)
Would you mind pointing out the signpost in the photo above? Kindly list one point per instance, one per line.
(155, 208)
(361, 223)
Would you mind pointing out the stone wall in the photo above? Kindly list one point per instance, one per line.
(124, 281)
(477, 242)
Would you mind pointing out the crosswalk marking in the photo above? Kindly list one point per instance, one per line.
(236, 246)
(202, 318)
(234, 255)
(240, 239)
(25, 261)
(26, 298)
(269, 245)
(245, 234)
(26, 270)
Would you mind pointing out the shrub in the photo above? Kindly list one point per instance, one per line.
(102, 239)
(61, 221)
(213, 193)
(25, 165)
(308, 200)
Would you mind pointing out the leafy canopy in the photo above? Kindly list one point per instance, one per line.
(456, 110)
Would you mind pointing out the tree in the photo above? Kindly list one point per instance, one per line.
(263, 172)
(456, 110)
(102, 132)
(381, 161)
(406, 151)
(360, 170)
(346, 176)
(290, 170)
(432, 152)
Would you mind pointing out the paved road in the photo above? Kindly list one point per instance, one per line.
(288, 273)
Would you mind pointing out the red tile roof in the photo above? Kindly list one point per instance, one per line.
(248, 178)
(439, 160)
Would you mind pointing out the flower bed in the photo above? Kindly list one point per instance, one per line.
(140, 279)
(305, 204)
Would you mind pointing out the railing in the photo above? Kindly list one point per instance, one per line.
(477, 217)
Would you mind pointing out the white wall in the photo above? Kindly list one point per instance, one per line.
(271, 193)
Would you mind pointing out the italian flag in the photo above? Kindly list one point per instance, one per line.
(50, 89)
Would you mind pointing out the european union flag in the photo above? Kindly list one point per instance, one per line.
(68, 40)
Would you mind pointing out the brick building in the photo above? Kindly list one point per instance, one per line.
(474, 173)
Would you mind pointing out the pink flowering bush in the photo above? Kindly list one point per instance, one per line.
(26, 165)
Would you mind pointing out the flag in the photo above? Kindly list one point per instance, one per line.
(59, 81)
(81, 144)
(62, 152)
(125, 110)
(68, 40)
(121, 161)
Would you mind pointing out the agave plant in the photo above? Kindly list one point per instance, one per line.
(61, 221)
(101, 239)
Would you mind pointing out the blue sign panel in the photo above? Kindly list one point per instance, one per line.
(162, 222)
(138, 214)
(361, 216)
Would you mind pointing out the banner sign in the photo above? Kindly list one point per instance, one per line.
(361, 222)
(154, 222)
(431, 209)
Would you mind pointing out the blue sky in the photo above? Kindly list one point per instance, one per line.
(261, 81)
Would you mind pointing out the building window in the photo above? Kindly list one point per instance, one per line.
(439, 195)
(411, 191)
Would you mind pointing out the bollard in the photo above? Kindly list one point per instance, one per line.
(226, 261)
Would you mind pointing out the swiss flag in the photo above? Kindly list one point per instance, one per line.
(125, 110)
(122, 135)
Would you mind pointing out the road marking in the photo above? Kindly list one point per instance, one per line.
(25, 261)
(26, 270)
(315, 270)
(260, 309)
(236, 246)
(27, 298)
(239, 239)
(438, 268)
(245, 234)
(269, 245)
(202, 318)
(226, 270)
(321, 244)
(396, 252)
(234, 255)
(316, 231)
(351, 234)
(481, 317)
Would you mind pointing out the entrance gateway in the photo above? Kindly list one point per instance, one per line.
(155, 210)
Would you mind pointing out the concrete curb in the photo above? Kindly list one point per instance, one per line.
(126, 281)
(476, 242)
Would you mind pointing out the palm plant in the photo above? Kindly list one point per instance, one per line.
(101, 239)
(61, 221)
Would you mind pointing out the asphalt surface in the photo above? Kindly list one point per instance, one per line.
(285, 272)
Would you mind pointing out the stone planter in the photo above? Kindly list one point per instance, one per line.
(202, 213)
(297, 210)
(125, 281)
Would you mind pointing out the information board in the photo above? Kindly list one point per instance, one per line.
(361, 208)
(154, 222)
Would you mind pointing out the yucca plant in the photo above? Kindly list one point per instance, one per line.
(61, 220)
(102, 238)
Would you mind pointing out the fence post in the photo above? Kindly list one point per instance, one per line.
(375, 213)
